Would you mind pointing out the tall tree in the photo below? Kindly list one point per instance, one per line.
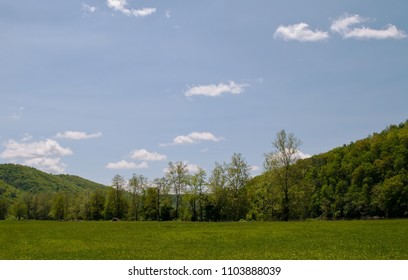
(217, 207)
(150, 201)
(96, 204)
(19, 209)
(197, 185)
(115, 203)
(59, 206)
(281, 163)
(137, 185)
(238, 174)
(177, 176)
(163, 198)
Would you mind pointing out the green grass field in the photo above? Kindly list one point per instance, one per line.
(332, 240)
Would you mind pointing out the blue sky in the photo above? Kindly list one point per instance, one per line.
(98, 88)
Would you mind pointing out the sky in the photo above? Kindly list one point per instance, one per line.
(99, 88)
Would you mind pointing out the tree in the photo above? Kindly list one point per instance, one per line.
(216, 208)
(115, 204)
(137, 185)
(177, 176)
(197, 184)
(58, 210)
(3, 208)
(150, 202)
(163, 199)
(19, 209)
(28, 199)
(238, 174)
(96, 204)
(118, 184)
(392, 196)
(281, 162)
(43, 206)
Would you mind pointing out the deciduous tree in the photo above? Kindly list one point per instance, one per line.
(281, 162)
(177, 176)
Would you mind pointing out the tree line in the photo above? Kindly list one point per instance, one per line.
(179, 195)
(368, 178)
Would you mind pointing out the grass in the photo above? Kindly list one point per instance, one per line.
(330, 240)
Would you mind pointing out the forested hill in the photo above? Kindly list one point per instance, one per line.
(365, 178)
(28, 179)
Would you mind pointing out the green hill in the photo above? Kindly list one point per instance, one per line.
(28, 193)
(366, 178)
(31, 180)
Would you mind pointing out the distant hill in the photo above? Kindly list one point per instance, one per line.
(28, 179)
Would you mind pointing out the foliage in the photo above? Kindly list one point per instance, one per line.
(281, 163)
(30, 179)
(177, 178)
(365, 178)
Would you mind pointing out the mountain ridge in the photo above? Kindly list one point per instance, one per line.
(30, 179)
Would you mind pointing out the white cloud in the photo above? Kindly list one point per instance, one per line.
(76, 135)
(51, 165)
(143, 12)
(44, 155)
(48, 147)
(300, 32)
(148, 156)
(87, 8)
(216, 90)
(194, 137)
(120, 5)
(390, 32)
(168, 13)
(123, 164)
(302, 155)
(343, 26)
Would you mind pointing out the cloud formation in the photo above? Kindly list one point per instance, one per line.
(194, 137)
(344, 27)
(300, 32)
(216, 90)
(120, 6)
(51, 165)
(147, 156)
(77, 135)
(123, 164)
(45, 155)
(48, 147)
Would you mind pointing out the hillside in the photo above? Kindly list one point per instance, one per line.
(32, 180)
(366, 178)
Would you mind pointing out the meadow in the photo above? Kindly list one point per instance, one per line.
(299, 240)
